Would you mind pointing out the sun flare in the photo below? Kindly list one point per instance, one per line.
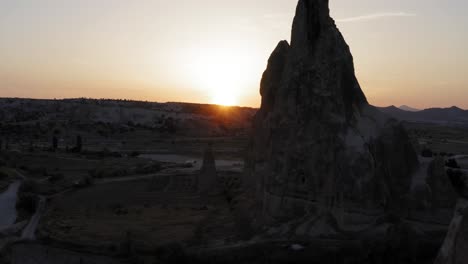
(222, 75)
(224, 98)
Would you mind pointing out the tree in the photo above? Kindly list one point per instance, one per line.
(170, 125)
(54, 143)
(79, 144)
(452, 163)
(427, 153)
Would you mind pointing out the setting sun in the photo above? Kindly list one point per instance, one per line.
(224, 75)
(224, 98)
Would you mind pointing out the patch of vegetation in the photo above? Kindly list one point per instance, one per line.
(55, 177)
(107, 172)
(149, 168)
(427, 153)
(118, 209)
(84, 182)
(134, 154)
(29, 186)
(37, 171)
(3, 175)
(452, 163)
(172, 253)
(457, 179)
(27, 202)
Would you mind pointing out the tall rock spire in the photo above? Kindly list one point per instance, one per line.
(316, 139)
(312, 18)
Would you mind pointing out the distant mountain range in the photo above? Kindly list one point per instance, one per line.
(409, 108)
(444, 116)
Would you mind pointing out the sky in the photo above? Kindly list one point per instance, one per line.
(406, 52)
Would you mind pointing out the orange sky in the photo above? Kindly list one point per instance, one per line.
(406, 52)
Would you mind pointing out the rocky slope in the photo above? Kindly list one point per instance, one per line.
(318, 147)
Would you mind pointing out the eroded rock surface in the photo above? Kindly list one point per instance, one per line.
(318, 146)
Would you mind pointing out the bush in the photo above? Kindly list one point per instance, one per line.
(27, 202)
(149, 168)
(55, 177)
(172, 253)
(452, 163)
(42, 171)
(458, 182)
(29, 186)
(85, 181)
(134, 154)
(427, 153)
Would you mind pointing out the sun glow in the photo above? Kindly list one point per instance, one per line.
(225, 99)
(223, 75)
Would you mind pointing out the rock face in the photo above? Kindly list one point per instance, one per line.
(317, 144)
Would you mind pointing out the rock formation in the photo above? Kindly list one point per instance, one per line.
(442, 192)
(318, 147)
(208, 179)
(455, 247)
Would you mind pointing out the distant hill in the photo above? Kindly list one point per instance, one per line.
(185, 118)
(409, 108)
(444, 116)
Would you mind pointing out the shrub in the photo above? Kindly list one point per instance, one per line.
(134, 154)
(172, 253)
(457, 179)
(427, 153)
(85, 181)
(29, 186)
(452, 163)
(27, 202)
(42, 171)
(148, 168)
(54, 143)
(55, 177)
(3, 175)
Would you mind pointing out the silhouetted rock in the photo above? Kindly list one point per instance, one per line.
(455, 247)
(318, 147)
(442, 191)
(459, 182)
(208, 178)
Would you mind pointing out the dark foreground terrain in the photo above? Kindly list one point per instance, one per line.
(138, 202)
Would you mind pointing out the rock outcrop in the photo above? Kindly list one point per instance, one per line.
(442, 192)
(318, 147)
(455, 247)
(207, 178)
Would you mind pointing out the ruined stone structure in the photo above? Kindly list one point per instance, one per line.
(318, 146)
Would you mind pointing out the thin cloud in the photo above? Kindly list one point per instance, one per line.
(376, 16)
